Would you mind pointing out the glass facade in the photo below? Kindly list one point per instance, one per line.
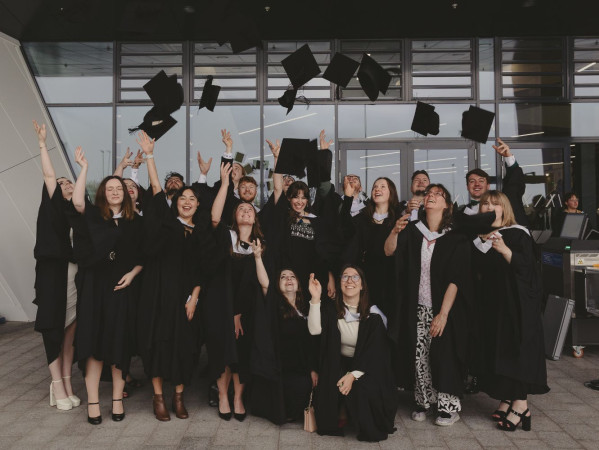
(545, 93)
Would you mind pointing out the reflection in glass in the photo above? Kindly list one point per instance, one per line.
(448, 167)
(543, 120)
(90, 128)
(544, 172)
(372, 164)
(486, 69)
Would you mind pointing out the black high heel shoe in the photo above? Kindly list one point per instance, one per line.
(239, 417)
(94, 420)
(499, 414)
(507, 425)
(225, 416)
(118, 417)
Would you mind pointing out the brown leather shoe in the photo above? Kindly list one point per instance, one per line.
(160, 410)
(179, 406)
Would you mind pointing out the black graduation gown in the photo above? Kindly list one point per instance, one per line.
(174, 265)
(111, 251)
(512, 358)
(232, 290)
(372, 401)
(283, 356)
(450, 263)
(52, 252)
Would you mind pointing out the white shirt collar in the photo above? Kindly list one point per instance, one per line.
(185, 223)
(488, 244)
(380, 217)
(119, 215)
(471, 210)
(354, 317)
(428, 234)
(237, 248)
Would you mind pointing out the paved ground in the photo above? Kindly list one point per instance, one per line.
(567, 417)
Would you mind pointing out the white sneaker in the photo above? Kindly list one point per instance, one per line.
(445, 419)
(420, 415)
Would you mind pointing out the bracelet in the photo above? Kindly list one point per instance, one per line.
(150, 156)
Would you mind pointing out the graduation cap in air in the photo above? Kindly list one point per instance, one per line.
(209, 94)
(230, 21)
(301, 66)
(289, 97)
(476, 124)
(167, 95)
(319, 165)
(292, 156)
(373, 78)
(426, 120)
(340, 70)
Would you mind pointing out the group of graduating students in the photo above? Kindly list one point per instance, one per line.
(329, 299)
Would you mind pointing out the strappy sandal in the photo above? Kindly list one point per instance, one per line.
(499, 414)
(507, 425)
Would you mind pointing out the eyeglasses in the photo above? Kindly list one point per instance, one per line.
(436, 193)
(354, 278)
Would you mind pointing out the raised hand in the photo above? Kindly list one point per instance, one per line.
(324, 145)
(503, 149)
(40, 131)
(227, 140)
(204, 165)
(225, 170)
(348, 187)
(256, 248)
(126, 161)
(80, 157)
(274, 148)
(314, 287)
(146, 144)
(139, 160)
(401, 223)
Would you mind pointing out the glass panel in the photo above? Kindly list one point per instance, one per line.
(532, 92)
(586, 79)
(384, 59)
(370, 46)
(230, 95)
(151, 48)
(531, 43)
(586, 92)
(352, 120)
(284, 82)
(532, 67)
(442, 68)
(523, 120)
(442, 93)
(169, 152)
(441, 81)
(528, 55)
(448, 167)
(372, 164)
(211, 59)
(308, 93)
(585, 173)
(586, 67)
(244, 124)
(486, 69)
(433, 57)
(441, 45)
(586, 54)
(276, 58)
(544, 172)
(72, 72)
(589, 42)
(213, 47)
(91, 128)
(535, 79)
(290, 47)
(149, 72)
(585, 117)
(487, 158)
(151, 59)
(228, 82)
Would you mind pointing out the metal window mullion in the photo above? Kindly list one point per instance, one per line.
(188, 95)
(116, 84)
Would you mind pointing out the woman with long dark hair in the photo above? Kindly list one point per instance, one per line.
(108, 267)
(286, 372)
(354, 361)
(436, 264)
(508, 289)
(228, 308)
(55, 290)
(177, 246)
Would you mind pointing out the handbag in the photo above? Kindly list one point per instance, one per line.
(309, 417)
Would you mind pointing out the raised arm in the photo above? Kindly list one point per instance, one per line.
(204, 168)
(277, 178)
(227, 141)
(147, 146)
(260, 269)
(79, 190)
(221, 197)
(391, 241)
(47, 167)
(125, 162)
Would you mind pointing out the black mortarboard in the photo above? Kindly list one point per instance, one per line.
(287, 100)
(292, 157)
(340, 70)
(373, 78)
(319, 165)
(301, 66)
(476, 124)
(156, 123)
(426, 120)
(209, 94)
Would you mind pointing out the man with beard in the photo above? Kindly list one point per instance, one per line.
(420, 181)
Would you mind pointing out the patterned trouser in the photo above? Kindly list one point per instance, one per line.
(424, 392)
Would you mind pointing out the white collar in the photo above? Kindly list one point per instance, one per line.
(185, 223)
(237, 248)
(428, 234)
(488, 244)
(357, 204)
(379, 217)
(308, 216)
(354, 317)
(520, 227)
(119, 215)
(471, 211)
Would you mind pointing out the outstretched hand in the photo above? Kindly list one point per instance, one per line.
(80, 157)
(204, 165)
(139, 160)
(227, 140)
(126, 161)
(146, 144)
(401, 223)
(225, 171)
(503, 149)
(324, 144)
(256, 248)
(274, 148)
(314, 287)
(40, 131)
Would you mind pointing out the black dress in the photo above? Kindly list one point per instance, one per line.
(52, 252)
(110, 252)
(450, 263)
(512, 358)
(284, 355)
(232, 290)
(372, 401)
(175, 260)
